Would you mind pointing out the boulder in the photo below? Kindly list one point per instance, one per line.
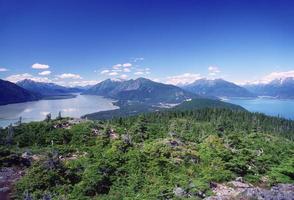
(179, 192)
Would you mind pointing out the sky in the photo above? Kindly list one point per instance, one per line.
(80, 42)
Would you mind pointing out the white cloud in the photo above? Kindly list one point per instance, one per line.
(139, 73)
(113, 74)
(104, 71)
(272, 76)
(144, 71)
(182, 79)
(137, 59)
(117, 66)
(81, 83)
(2, 69)
(124, 76)
(40, 66)
(127, 70)
(156, 79)
(69, 76)
(19, 77)
(121, 69)
(116, 70)
(45, 73)
(127, 65)
(213, 70)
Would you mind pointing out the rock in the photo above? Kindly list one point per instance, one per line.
(278, 192)
(4, 189)
(239, 190)
(26, 155)
(240, 179)
(179, 192)
(238, 184)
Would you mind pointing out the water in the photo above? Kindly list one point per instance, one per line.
(273, 107)
(37, 110)
(85, 104)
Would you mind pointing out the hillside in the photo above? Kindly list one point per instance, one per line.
(141, 89)
(11, 93)
(217, 88)
(161, 155)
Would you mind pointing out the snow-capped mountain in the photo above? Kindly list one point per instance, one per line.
(217, 88)
(278, 88)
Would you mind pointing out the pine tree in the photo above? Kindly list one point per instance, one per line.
(48, 117)
(59, 115)
(10, 134)
(19, 121)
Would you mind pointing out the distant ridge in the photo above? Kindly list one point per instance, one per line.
(46, 89)
(12, 93)
(217, 88)
(279, 88)
(140, 89)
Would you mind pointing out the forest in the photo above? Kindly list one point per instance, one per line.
(149, 155)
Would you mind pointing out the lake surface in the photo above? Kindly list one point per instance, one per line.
(273, 107)
(37, 110)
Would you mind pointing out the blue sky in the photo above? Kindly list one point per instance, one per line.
(170, 41)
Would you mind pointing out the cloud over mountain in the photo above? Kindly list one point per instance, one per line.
(183, 79)
(45, 73)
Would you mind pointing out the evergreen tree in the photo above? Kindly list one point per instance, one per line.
(59, 115)
(19, 121)
(48, 117)
(10, 134)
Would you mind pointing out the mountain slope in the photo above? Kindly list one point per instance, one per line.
(12, 93)
(218, 88)
(45, 89)
(278, 88)
(140, 89)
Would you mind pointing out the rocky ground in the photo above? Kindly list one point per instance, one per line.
(237, 190)
(8, 176)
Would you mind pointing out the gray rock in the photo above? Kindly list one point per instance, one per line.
(4, 189)
(278, 192)
(179, 192)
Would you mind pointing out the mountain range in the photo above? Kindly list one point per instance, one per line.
(12, 93)
(145, 90)
(140, 89)
(278, 88)
(46, 89)
(217, 88)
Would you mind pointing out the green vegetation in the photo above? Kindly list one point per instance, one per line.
(150, 155)
(131, 108)
(206, 103)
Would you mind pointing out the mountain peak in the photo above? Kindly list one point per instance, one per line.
(26, 81)
(217, 87)
(140, 89)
